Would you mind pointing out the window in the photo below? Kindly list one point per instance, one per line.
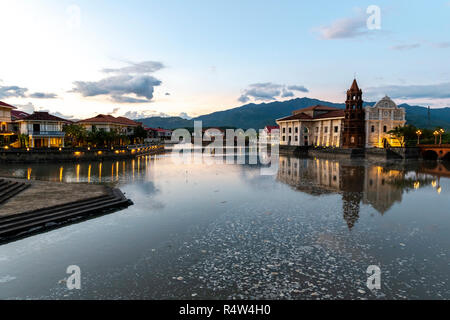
(384, 129)
(317, 129)
(284, 138)
(284, 130)
(296, 129)
(306, 130)
(325, 129)
(296, 138)
(372, 129)
(336, 129)
(290, 130)
(352, 140)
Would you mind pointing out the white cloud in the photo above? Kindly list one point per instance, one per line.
(345, 28)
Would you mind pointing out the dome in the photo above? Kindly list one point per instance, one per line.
(386, 102)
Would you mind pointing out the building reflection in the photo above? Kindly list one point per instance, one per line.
(357, 183)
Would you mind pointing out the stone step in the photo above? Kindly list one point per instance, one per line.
(14, 226)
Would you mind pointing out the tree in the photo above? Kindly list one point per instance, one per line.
(140, 133)
(75, 134)
(399, 134)
(24, 141)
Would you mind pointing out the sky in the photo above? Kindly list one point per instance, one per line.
(187, 58)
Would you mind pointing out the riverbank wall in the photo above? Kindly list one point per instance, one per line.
(76, 154)
(340, 153)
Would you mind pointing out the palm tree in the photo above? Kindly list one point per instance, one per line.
(399, 134)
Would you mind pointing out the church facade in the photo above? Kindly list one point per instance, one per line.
(383, 117)
(353, 127)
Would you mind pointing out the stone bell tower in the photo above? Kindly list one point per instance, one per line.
(354, 122)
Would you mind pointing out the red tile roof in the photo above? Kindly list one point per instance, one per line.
(316, 108)
(17, 115)
(270, 128)
(106, 118)
(43, 116)
(332, 114)
(297, 116)
(3, 104)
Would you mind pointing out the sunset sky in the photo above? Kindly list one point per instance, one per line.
(143, 58)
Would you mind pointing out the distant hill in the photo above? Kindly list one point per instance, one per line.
(166, 122)
(259, 115)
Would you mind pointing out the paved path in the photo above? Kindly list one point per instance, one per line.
(43, 194)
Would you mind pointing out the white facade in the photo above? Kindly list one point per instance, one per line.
(383, 117)
(317, 126)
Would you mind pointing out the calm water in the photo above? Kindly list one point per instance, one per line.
(226, 231)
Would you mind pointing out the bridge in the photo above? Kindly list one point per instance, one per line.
(435, 151)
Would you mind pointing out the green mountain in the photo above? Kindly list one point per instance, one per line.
(259, 115)
(166, 122)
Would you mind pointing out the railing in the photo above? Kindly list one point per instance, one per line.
(47, 133)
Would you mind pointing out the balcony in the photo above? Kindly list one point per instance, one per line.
(47, 133)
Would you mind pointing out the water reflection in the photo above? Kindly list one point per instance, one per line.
(84, 172)
(359, 182)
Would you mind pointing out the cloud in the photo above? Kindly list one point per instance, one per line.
(287, 94)
(435, 91)
(184, 115)
(145, 114)
(119, 87)
(43, 95)
(345, 28)
(139, 68)
(298, 88)
(406, 46)
(130, 84)
(12, 92)
(442, 45)
(20, 92)
(28, 108)
(268, 91)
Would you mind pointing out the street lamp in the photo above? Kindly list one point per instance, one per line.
(441, 132)
(419, 133)
(436, 133)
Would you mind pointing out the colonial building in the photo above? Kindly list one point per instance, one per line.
(159, 133)
(6, 128)
(269, 133)
(383, 117)
(43, 129)
(109, 123)
(354, 127)
(317, 125)
(370, 185)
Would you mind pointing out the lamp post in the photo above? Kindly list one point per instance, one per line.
(419, 133)
(436, 133)
(441, 132)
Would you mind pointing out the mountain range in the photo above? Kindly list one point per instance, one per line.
(260, 115)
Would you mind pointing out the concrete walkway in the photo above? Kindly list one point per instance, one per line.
(43, 194)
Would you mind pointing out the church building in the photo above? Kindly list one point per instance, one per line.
(352, 127)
